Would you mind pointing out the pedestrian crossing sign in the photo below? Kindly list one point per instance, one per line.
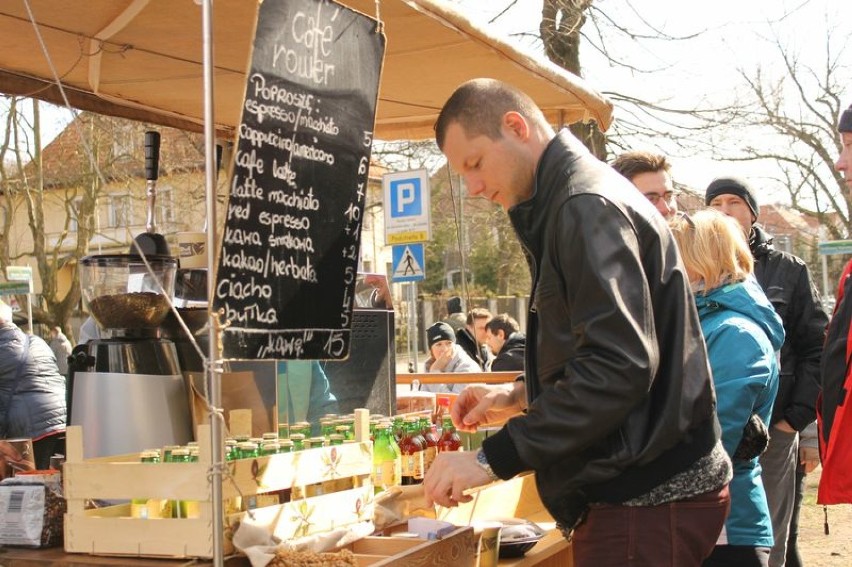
(408, 263)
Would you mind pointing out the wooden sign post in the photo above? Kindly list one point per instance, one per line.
(289, 256)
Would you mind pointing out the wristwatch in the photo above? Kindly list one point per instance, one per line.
(482, 461)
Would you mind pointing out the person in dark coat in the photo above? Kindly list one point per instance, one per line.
(506, 341)
(472, 337)
(788, 284)
(32, 391)
(616, 413)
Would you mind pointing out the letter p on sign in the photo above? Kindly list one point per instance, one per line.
(405, 197)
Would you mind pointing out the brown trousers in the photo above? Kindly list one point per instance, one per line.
(677, 534)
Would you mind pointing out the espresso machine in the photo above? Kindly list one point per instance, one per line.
(126, 389)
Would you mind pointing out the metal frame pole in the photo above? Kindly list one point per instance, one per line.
(413, 323)
(213, 377)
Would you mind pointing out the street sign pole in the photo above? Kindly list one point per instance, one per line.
(408, 224)
(23, 274)
(413, 332)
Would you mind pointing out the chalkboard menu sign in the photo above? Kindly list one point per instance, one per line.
(286, 271)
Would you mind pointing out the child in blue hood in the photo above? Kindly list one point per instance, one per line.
(743, 335)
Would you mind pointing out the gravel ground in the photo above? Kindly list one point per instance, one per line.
(816, 548)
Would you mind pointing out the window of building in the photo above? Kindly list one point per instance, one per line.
(120, 211)
(125, 142)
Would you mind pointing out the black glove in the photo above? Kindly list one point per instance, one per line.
(754, 441)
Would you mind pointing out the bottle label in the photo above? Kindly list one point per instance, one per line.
(139, 508)
(412, 465)
(386, 474)
(429, 456)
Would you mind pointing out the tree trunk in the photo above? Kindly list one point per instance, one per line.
(561, 21)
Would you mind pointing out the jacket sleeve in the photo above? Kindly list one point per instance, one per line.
(598, 302)
(745, 377)
(807, 335)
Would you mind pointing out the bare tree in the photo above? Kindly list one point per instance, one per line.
(66, 185)
(561, 22)
(27, 191)
(796, 108)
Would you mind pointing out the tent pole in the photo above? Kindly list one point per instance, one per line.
(213, 370)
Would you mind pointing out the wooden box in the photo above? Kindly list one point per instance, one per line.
(458, 549)
(111, 530)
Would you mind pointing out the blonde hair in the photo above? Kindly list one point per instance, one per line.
(713, 247)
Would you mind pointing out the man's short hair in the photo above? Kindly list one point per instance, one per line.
(477, 313)
(479, 105)
(631, 164)
(502, 322)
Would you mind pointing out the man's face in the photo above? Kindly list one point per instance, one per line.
(657, 188)
(498, 170)
(494, 342)
(479, 329)
(736, 207)
(844, 162)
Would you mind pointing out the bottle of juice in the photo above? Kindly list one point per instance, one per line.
(450, 439)
(177, 508)
(139, 506)
(387, 460)
(412, 449)
(430, 437)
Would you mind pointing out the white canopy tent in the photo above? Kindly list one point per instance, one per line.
(142, 59)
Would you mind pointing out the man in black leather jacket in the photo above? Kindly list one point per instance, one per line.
(616, 414)
(787, 283)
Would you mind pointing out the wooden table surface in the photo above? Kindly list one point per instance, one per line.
(515, 498)
(56, 557)
(551, 551)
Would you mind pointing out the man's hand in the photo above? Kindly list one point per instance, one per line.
(443, 359)
(450, 475)
(809, 458)
(480, 406)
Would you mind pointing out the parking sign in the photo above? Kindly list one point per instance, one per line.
(407, 217)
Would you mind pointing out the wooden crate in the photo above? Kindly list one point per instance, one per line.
(456, 549)
(515, 498)
(112, 531)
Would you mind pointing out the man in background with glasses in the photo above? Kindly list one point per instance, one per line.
(650, 174)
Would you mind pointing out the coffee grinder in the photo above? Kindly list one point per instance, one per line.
(126, 388)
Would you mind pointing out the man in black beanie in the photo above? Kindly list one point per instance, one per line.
(787, 283)
(835, 485)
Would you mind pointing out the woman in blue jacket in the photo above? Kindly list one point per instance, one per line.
(743, 334)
